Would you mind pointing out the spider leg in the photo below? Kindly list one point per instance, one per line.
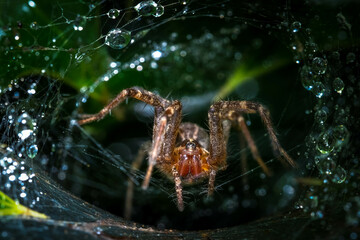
(166, 124)
(255, 153)
(244, 167)
(277, 149)
(218, 139)
(173, 114)
(231, 110)
(130, 184)
(133, 92)
(166, 127)
(178, 189)
(225, 130)
(164, 136)
(155, 151)
(211, 185)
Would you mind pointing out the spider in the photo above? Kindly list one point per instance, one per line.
(185, 152)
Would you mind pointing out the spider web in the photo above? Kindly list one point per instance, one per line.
(64, 58)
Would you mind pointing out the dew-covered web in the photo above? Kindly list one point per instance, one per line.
(61, 59)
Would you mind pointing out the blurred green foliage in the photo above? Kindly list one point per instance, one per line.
(11, 207)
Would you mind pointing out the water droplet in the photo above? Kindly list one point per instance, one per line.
(32, 151)
(318, 89)
(156, 54)
(339, 175)
(146, 8)
(79, 23)
(118, 38)
(340, 133)
(319, 214)
(319, 65)
(80, 56)
(92, 7)
(23, 177)
(325, 143)
(312, 202)
(326, 166)
(288, 190)
(310, 49)
(34, 25)
(321, 116)
(159, 11)
(307, 77)
(338, 85)
(24, 126)
(113, 13)
(31, 91)
(12, 178)
(98, 230)
(32, 3)
(183, 2)
(296, 26)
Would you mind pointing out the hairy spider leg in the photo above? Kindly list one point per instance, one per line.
(244, 167)
(178, 189)
(217, 158)
(150, 98)
(254, 151)
(211, 185)
(173, 113)
(133, 92)
(164, 138)
(277, 149)
(155, 151)
(166, 123)
(130, 184)
(232, 110)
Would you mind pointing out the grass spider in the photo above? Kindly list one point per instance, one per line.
(185, 152)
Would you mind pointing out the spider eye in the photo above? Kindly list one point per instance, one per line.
(190, 146)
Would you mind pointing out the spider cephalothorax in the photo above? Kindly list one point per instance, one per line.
(185, 152)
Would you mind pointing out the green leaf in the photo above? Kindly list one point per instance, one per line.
(245, 73)
(11, 207)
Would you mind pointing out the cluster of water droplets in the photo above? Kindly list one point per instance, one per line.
(149, 8)
(13, 159)
(312, 76)
(322, 75)
(330, 135)
(19, 146)
(119, 38)
(25, 128)
(14, 171)
(155, 54)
